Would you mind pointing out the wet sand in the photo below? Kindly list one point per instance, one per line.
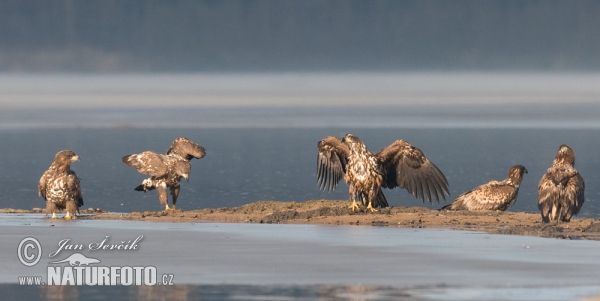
(327, 212)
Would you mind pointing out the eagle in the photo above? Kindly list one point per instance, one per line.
(60, 187)
(398, 165)
(561, 189)
(166, 170)
(493, 195)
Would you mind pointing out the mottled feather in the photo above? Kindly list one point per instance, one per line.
(167, 170)
(186, 148)
(406, 166)
(400, 164)
(60, 186)
(493, 195)
(561, 188)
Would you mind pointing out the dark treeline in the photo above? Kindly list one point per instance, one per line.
(239, 35)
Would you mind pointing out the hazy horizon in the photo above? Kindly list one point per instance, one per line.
(233, 100)
(311, 35)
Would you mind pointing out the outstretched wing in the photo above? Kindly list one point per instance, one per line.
(148, 162)
(407, 167)
(331, 162)
(186, 149)
(491, 196)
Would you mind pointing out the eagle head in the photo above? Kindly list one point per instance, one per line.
(183, 169)
(66, 157)
(355, 145)
(565, 155)
(516, 172)
(349, 138)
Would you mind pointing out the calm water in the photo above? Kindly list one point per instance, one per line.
(261, 130)
(246, 165)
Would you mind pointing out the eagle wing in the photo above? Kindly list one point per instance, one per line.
(186, 148)
(73, 186)
(407, 167)
(42, 185)
(575, 193)
(331, 162)
(148, 162)
(493, 195)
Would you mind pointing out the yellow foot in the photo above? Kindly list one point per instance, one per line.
(174, 208)
(371, 208)
(354, 206)
(53, 215)
(68, 216)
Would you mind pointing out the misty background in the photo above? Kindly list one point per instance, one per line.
(307, 35)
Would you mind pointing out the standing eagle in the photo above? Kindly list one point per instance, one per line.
(399, 164)
(560, 192)
(493, 195)
(166, 170)
(59, 186)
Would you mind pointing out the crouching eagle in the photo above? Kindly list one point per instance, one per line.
(399, 164)
(59, 186)
(493, 195)
(560, 191)
(166, 170)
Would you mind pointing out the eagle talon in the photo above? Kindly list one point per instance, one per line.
(371, 208)
(53, 215)
(354, 206)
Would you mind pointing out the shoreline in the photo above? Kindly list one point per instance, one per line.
(330, 212)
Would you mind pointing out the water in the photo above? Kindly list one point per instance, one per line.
(247, 165)
(261, 130)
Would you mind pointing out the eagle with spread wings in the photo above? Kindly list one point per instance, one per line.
(561, 189)
(166, 170)
(60, 187)
(493, 195)
(398, 165)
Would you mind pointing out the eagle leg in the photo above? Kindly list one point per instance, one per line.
(53, 214)
(175, 194)
(352, 196)
(370, 207)
(68, 215)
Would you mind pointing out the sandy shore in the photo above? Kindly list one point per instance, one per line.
(327, 212)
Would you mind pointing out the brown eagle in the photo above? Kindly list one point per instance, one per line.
(59, 186)
(399, 164)
(166, 170)
(493, 195)
(560, 192)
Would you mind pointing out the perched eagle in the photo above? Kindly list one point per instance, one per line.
(493, 195)
(59, 186)
(560, 192)
(166, 170)
(399, 164)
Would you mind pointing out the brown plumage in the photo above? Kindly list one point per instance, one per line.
(493, 195)
(398, 165)
(166, 170)
(561, 189)
(60, 187)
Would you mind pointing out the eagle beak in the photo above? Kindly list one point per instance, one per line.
(186, 177)
(75, 158)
